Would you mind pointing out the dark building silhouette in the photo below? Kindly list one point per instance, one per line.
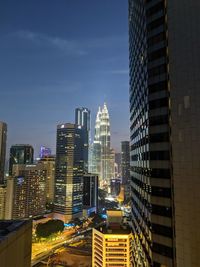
(83, 120)
(90, 193)
(3, 138)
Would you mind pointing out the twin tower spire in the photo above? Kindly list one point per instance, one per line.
(102, 154)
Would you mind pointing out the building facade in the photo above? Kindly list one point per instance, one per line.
(26, 192)
(45, 152)
(48, 164)
(83, 120)
(69, 172)
(20, 154)
(90, 193)
(3, 138)
(112, 244)
(164, 106)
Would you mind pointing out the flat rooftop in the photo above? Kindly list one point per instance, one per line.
(115, 229)
(9, 226)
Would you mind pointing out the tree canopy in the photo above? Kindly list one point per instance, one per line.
(51, 227)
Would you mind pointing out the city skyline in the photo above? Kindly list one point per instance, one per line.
(89, 56)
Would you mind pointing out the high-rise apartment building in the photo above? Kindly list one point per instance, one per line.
(69, 172)
(164, 39)
(90, 193)
(48, 163)
(112, 243)
(3, 138)
(26, 192)
(83, 120)
(20, 154)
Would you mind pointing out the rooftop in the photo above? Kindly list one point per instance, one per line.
(10, 226)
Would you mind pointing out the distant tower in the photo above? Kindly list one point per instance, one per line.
(102, 154)
(107, 157)
(45, 152)
(3, 138)
(82, 119)
(95, 163)
(20, 154)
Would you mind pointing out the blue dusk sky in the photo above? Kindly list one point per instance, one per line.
(56, 55)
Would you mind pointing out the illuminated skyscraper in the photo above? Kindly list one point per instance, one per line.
(3, 138)
(69, 172)
(103, 155)
(82, 119)
(95, 162)
(164, 38)
(20, 154)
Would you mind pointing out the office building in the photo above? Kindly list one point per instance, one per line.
(112, 243)
(20, 154)
(48, 163)
(164, 39)
(3, 138)
(26, 192)
(45, 152)
(2, 201)
(15, 243)
(90, 194)
(83, 120)
(69, 172)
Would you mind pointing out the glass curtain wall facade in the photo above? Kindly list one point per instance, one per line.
(83, 120)
(164, 39)
(20, 154)
(69, 172)
(151, 181)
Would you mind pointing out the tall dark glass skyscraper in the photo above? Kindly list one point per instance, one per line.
(3, 138)
(83, 120)
(164, 38)
(69, 171)
(20, 154)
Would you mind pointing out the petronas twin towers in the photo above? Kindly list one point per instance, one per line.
(102, 156)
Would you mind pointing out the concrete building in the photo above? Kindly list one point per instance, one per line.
(26, 192)
(2, 201)
(164, 39)
(112, 244)
(48, 163)
(69, 172)
(20, 154)
(3, 138)
(15, 243)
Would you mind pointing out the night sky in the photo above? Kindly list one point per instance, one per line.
(56, 55)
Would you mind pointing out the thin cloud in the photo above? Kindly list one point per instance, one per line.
(67, 46)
